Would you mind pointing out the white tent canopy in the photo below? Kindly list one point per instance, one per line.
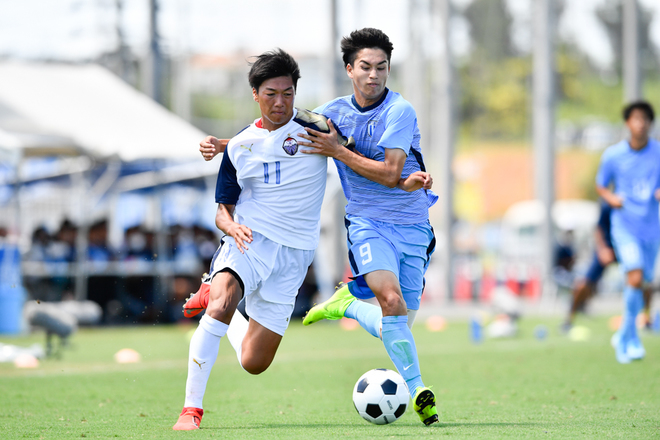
(97, 110)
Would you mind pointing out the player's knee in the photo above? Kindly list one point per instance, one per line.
(255, 370)
(219, 308)
(393, 304)
(635, 279)
(254, 366)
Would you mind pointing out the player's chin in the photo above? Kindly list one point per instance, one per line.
(374, 92)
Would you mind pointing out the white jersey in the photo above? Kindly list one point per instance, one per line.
(277, 190)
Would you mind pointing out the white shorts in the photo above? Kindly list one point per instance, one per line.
(271, 274)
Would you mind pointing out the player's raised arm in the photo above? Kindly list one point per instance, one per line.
(212, 146)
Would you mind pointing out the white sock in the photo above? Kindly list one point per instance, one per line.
(202, 355)
(238, 327)
(412, 314)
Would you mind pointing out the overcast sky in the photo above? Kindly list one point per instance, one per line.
(80, 29)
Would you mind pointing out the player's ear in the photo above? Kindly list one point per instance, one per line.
(255, 95)
(349, 71)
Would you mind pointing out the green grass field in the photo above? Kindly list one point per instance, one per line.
(516, 388)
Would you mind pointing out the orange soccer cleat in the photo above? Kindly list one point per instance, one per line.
(198, 301)
(189, 419)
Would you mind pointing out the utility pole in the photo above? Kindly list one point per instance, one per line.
(442, 138)
(632, 87)
(152, 72)
(543, 127)
(181, 72)
(334, 70)
(337, 255)
(123, 50)
(415, 85)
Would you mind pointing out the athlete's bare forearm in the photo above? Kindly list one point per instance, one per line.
(415, 181)
(224, 220)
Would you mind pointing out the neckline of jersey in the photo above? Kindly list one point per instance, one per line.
(638, 150)
(372, 106)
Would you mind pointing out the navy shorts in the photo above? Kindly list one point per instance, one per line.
(595, 271)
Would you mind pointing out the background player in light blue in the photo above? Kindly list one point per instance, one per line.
(628, 180)
(390, 238)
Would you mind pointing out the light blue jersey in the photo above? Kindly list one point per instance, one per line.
(636, 177)
(388, 228)
(389, 123)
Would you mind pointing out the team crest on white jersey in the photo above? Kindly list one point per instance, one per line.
(290, 146)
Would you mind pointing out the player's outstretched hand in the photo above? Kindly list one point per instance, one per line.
(241, 234)
(321, 143)
(211, 146)
(415, 181)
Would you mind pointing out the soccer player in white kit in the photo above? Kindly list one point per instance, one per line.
(269, 199)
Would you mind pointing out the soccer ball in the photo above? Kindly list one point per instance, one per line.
(380, 396)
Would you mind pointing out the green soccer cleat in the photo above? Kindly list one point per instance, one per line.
(424, 405)
(333, 308)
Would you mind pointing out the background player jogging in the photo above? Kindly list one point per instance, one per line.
(603, 256)
(628, 180)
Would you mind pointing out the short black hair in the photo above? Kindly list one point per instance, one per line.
(638, 105)
(367, 38)
(273, 64)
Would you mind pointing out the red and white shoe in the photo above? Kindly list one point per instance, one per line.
(189, 419)
(198, 301)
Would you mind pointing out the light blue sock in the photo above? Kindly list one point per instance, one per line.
(400, 346)
(632, 302)
(639, 305)
(368, 315)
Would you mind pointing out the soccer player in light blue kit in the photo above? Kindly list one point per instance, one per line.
(633, 168)
(390, 238)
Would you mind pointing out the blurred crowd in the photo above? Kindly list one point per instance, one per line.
(133, 283)
(129, 282)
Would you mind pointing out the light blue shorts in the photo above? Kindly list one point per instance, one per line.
(404, 250)
(635, 253)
